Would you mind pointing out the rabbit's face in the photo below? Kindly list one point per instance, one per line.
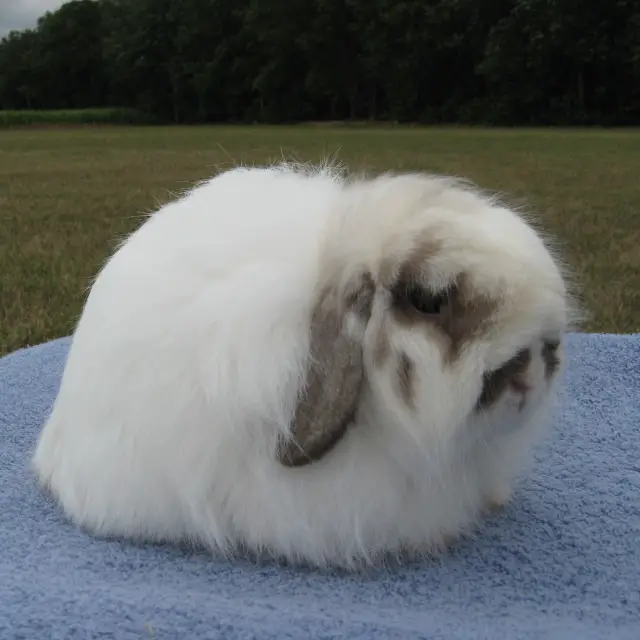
(468, 316)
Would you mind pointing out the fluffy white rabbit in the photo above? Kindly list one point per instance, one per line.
(325, 368)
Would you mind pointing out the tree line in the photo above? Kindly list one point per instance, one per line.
(507, 62)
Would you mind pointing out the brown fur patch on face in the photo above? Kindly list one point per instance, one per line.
(382, 349)
(551, 357)
(406, 379)
(509, 375)
(461, 317)
(466, 317)
(412, 267)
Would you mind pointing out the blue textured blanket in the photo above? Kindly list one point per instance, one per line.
(563, 561)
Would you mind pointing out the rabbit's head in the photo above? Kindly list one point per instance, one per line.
(440, 319)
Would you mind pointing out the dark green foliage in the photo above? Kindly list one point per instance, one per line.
(486, 61)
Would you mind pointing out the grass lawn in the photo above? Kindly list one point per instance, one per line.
(68, 194)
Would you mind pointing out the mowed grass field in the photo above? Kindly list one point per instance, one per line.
(68, 195)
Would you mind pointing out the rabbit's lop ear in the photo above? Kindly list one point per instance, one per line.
(328, 400)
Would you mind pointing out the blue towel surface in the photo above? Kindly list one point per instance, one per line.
(563, 561)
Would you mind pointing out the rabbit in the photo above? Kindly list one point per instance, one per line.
(328, 368)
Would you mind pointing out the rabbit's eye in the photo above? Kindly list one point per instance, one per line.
(426, 302)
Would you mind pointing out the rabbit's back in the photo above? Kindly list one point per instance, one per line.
(173, 347)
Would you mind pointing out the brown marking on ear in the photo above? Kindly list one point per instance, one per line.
(509, 375)
(329, 400)
(360, 299)
(406, 379)
(551, 358)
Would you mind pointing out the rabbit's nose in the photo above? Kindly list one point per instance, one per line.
(511, 375)
(520, 385)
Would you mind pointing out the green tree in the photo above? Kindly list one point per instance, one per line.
(496, 61)
(69, 66)
(19, 88)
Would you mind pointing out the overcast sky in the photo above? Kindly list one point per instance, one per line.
(23, 14)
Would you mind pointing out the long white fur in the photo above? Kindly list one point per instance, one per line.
(187, 359)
